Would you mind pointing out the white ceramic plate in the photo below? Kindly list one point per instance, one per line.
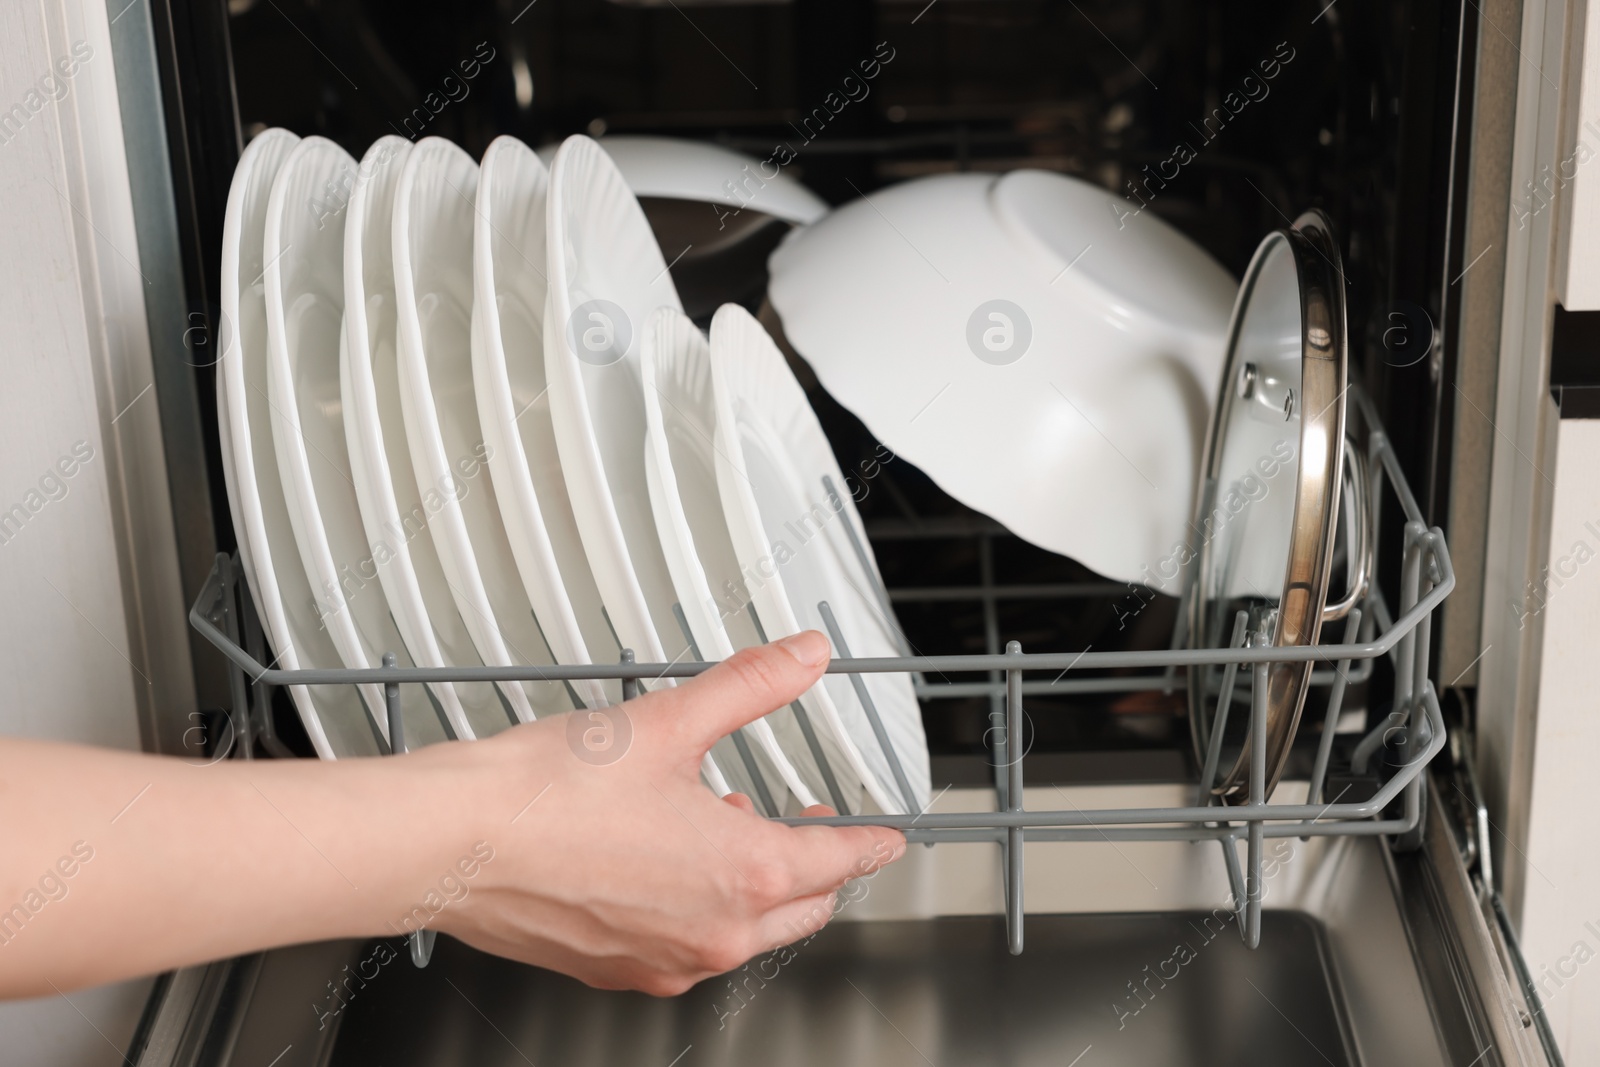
(433, 225)
(675, 168)
(1043, 352)
(334, 717)
(606, 275)
(795, 550)
(680, 465)
(305, 311)
(514, 410)
(391, 507)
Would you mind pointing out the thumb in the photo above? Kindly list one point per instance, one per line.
(746, 686)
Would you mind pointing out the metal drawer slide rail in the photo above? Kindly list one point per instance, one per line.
(1426, 579)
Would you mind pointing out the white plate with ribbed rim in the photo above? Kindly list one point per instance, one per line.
(334, 717)
(680, 465)
(391, 506)
(433, 231)
(795, 551)
(606, 274)
(509, 296)
(304, 282)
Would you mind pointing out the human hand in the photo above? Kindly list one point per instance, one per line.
(625, 875)
(633, 874)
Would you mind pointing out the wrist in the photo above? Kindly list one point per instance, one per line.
(440, 842)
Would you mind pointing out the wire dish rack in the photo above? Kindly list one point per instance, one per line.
(222, 615)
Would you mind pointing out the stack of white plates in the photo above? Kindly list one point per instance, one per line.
(464, 420)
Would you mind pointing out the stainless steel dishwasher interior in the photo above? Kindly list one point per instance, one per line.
(1133, 958)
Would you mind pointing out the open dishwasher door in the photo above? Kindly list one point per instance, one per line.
(1368, 957)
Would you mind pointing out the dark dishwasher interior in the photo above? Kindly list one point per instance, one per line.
(1346, 107)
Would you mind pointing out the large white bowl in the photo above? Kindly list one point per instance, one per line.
(674, 168)
(1047, 356)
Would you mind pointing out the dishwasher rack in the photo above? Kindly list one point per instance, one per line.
(222, 615)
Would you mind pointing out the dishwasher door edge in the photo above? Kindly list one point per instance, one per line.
(1460, 953)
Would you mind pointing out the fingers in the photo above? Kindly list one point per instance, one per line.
(740, 801)
(745, 687)
(823, 858)
(796, 920)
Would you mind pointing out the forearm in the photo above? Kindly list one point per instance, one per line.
(119, 864)
(626, 874)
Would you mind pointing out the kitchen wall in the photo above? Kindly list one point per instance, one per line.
(1561, 894)
(91, 639)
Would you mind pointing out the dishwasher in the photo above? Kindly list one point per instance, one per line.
(1089, 886)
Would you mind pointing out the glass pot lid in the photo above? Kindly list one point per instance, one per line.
(1263, 533)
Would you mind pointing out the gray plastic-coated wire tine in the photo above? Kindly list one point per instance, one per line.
(803, 719)
(239, 714)
(865, 697)
(1320, 679)
(377, 724)
(438, 712)
(1219, 718)
(1230, 863)
(808, 731)
(763, 796)
(630, 686)
(1319, 769)
(1404, 659)
(683, 626)
(1423, 699)
(997, 758)
(1014, 729)
(1419, 721)
(1258, 796)
(422, 946)
(1410, 583)
(391, 703)
(261, 702)
(1015, 834)
(1180, 634)
(1011, 861)
(572, 693)
(421, 940)
(1374, 739)
(1369, 626)
(991, 645)
(987, 833)
(1422, 635)
(865, 559)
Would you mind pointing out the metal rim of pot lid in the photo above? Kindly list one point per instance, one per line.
(1268, 499)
